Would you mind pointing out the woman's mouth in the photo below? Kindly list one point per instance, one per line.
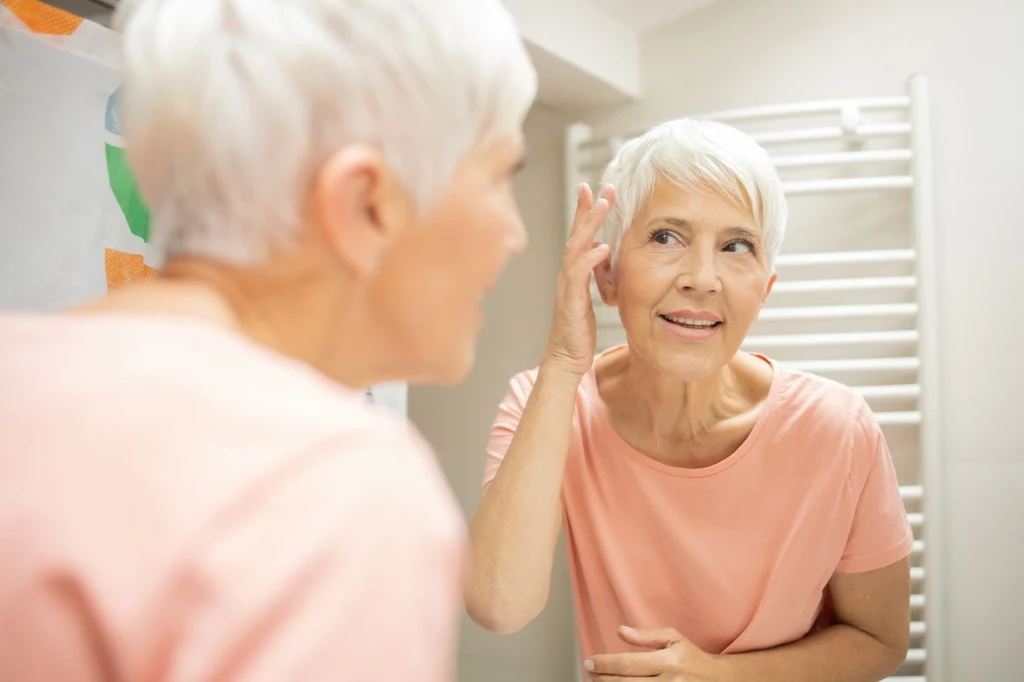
(691, 322)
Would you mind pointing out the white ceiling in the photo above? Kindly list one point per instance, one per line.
(641, 15)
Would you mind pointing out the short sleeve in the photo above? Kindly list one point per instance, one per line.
(510, 412)
(880, 534)
(347, 566)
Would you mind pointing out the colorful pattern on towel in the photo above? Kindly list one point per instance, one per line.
(39, 17)
(124, 268)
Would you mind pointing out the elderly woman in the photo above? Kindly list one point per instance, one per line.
(191, 485)
(728, 518)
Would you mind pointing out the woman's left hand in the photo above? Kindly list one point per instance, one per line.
(673, 659)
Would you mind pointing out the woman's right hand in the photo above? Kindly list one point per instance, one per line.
(573, 335)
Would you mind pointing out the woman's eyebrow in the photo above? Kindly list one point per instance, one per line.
(681, 223)
(742, 232)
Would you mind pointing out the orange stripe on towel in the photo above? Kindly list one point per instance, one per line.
(42, 18)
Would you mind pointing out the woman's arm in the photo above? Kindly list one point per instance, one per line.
(868, 644)
(515, 529)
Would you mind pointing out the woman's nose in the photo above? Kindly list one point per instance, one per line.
(518, 239)
(699, 273)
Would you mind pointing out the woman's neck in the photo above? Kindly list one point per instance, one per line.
(680, 410)
(288, 307)
(681, 422)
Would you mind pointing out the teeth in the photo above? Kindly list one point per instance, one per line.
(689, 322)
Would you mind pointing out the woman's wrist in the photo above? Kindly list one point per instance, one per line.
(725, 669)
(551, 371)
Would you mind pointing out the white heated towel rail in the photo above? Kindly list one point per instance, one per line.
(865, 317)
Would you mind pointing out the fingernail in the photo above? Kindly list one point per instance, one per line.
(589, 665)
(626, 628)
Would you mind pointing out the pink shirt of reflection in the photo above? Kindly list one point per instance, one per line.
(735, 556)
(178, 504)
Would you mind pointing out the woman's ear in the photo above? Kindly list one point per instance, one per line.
(768, 289)
(604, 274)
(360, 208)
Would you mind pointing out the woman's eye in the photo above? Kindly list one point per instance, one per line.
(739, 246)
(663, 237)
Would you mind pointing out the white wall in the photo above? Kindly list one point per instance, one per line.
(594, 64)
(750, 52)
(456, 421)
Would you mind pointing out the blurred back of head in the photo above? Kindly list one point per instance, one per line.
(231, 107)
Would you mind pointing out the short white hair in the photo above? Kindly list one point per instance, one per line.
(231, 107)
(701, 155)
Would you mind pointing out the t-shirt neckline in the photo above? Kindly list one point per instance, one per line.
(767, 413)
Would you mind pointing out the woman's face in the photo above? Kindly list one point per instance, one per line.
(690, 278)
(432, 282)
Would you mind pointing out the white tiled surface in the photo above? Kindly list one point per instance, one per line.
(980, 338)
(985, 547)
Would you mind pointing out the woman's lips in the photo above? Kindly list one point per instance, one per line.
(691, 328)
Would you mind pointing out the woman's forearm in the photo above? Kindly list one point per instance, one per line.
(515, 529)
(840, 653)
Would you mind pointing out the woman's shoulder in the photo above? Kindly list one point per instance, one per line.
(518, 391)
(524, 380)
(804, 383)
(813, 403)
(201, 381)
(521, 385)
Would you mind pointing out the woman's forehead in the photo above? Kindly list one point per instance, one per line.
(695, 208)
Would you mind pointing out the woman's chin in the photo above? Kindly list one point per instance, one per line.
(690, 364)
(452, 364)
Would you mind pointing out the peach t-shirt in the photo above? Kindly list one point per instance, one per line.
(179, 504)
(735, 556)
